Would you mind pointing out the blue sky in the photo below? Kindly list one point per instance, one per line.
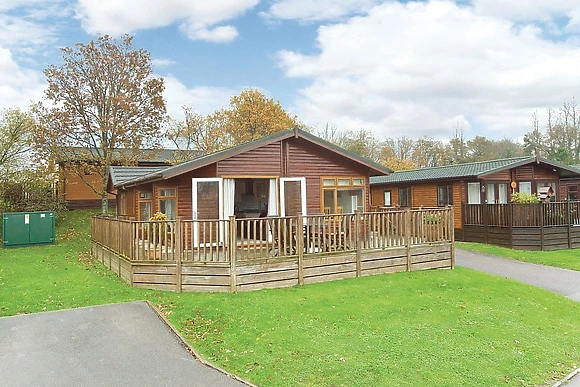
(397, 68)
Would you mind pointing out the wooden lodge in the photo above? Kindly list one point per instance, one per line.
(75, 182)
(485, 188)
(286, 209)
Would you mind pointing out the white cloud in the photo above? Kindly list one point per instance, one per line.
(19, 86)
(200, 19)
(162, 62)
(414, 68)
(203, 99)
(316, 10)
(223, 34)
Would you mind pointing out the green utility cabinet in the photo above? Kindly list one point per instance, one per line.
(27, 228)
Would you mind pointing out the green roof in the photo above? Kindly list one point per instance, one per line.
(178, 169)
(469, 170)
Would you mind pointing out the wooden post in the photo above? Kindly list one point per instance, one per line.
(178, 254)
(300, 247)
(232, 253)
(511, 224)
(119, 245)
(542, 212)
(358, 241)
(569, 221)
(134, 242)
(408, 219)
(451, 214)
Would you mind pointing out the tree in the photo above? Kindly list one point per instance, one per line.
(429, 153)
(363, 143)
(533, 141)
(251, 116)
(205, 134)
(15, 129)
(458, 146)
(102, 98)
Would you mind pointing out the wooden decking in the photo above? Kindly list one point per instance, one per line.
(248, 254)
(537, 226)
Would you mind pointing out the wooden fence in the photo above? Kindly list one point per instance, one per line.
(525, 226)
(245, 254)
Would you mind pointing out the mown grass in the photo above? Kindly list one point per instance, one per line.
(565, 259)
(432, 328)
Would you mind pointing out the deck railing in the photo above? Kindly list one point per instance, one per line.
(271, 237)
(522, 214)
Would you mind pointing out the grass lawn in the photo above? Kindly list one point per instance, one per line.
(566, 259)
(433, 328)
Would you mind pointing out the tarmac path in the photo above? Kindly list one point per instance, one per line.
(125, 344)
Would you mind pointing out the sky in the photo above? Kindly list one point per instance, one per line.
(397, 68)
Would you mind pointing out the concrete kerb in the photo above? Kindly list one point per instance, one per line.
(568, 378)
(191, 350)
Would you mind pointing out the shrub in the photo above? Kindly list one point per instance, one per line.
(524, 197)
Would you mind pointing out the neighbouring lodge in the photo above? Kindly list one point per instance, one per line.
(481, 193)
(75, 188)
(286, 209)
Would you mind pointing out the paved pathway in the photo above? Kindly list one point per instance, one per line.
(561, 281)
(113, 345)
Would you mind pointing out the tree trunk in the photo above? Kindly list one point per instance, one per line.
(104, 204)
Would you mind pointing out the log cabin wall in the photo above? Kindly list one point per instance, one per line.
(77, 193)
(422, 195)
(313, 162)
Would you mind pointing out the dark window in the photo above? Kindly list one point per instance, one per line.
(572, 192)
(444, 195)
(405, 197)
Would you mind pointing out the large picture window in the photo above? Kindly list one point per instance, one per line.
(167, 202)
(405, 197)
(444, 195)
(342, 194)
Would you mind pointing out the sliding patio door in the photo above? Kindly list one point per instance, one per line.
(207, 205)
(292, 196)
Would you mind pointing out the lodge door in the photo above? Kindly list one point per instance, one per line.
(292, 196)
(207, 205)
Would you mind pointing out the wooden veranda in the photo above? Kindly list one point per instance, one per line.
(247, 254)
(523, 226)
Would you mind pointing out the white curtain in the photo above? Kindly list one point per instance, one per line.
(473, 193)
(273, 198)
(229, 197)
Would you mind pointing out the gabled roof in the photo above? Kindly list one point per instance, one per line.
(121, 174)
(176, 170)
(153, 156)
(469, 170)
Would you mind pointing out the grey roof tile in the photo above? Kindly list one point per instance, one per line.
(121, 174)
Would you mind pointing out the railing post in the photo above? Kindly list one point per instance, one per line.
(542, 222)
(569, 221)
(451, 214)
(119, 244)
(408, 220)
(177, 253)
(232, 253)
(300, 247)
(358, 242)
